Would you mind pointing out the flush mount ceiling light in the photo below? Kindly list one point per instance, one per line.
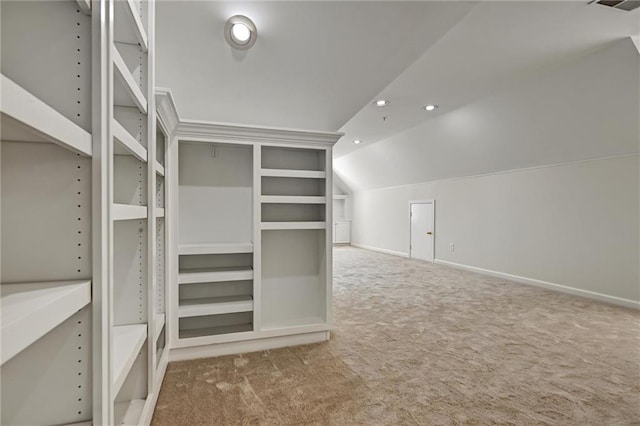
(240, 32)
(431, 107)
(381, 102)
(357, 141)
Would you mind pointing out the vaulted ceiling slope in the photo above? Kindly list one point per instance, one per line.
(314, 65)
(585, 109)
(496, 45)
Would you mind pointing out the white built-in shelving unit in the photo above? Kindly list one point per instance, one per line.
(46, 153)
(252, 256)
(83, 235)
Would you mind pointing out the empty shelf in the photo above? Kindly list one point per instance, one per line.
(26, 118)
(158, 325)
(31, 310)
(159, 168)
(309, 174)
(215, 248)
(127, 144)
(289, 199)
(212, 275)
(133, 95)
(274, 226)
(127, 342)
(128, 27)
(128, 212)
(214, 306)
(130, 412)
(213, 331)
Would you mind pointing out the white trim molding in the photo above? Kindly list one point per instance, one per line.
(545, 284)
(246, 346)
(381, 250)
(208, 131)
(167, 112)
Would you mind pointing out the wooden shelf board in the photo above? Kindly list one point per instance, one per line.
(25, 118)
(127, 144)
(211, 275)
(128, 212)
(276, 226)
(132, 95)
(292, 199)
(215, 248)
(214, 306)
(132, 411)
(128, 26)
(31, 310)
(159, 321)
(307, 174)
(159, 168)
(215, 331)
(127, 343)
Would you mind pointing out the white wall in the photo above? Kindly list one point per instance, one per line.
(574, 225)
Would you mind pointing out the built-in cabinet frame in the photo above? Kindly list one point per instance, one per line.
(261, 336)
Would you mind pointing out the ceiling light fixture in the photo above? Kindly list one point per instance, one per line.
(357, 141)
(431, 107)
(381, 102)
(240, 32)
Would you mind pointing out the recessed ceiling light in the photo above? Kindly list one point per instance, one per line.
(431, 107)
(381, 102)
(240, 32)
(357, 141)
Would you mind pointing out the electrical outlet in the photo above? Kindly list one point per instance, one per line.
(452, 247)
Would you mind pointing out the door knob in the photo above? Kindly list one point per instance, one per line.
(429, 233)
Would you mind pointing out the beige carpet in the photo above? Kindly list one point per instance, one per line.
(416, 343)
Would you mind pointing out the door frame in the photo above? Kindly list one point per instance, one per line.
(433, 225)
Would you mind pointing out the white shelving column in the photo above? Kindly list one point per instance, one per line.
(133, 211)
(46, 212)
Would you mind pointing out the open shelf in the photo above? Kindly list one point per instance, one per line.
(127, 343)
(127, 144)
(31, 310)
(214, 306)
(274, 226)
(215, 248)
(129, 412)
(292, 199)
(129, 212)
(159, 168)
(128, 27)
(132, 95)
(214, 331)
(211, 275)
(27, 118)
(286, 173)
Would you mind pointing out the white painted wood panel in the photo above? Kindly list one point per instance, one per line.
(215, 306)
(209, 275)
(127, 343)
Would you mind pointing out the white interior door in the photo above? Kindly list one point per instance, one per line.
(422, 231)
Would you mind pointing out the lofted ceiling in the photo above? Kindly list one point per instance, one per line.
(314, 65)
(494, 46)
(321, 65)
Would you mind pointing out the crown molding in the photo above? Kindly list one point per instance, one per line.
(166, 110)
(207, 131)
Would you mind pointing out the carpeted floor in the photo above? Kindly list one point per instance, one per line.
(419, 344)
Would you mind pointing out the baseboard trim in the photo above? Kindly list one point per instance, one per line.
(628, 303)
(381, 250)
(246, 346)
